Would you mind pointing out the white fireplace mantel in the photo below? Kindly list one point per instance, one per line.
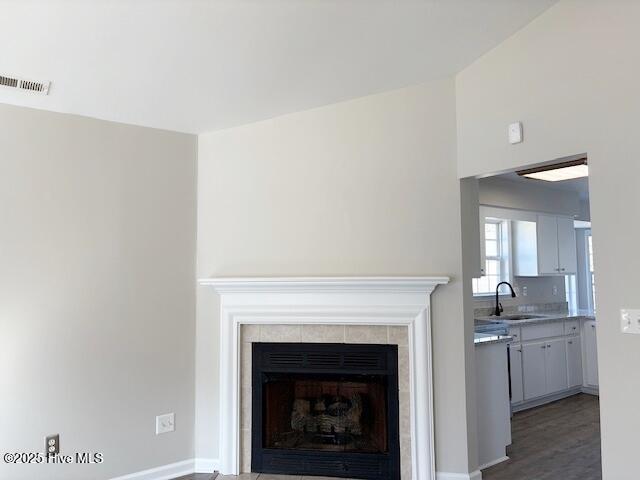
(328, 301)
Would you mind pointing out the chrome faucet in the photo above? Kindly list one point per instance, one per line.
(499, 308)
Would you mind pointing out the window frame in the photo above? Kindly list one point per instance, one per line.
(590, 272)
(504, 257)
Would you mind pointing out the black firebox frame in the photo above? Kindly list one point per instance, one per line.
(269, 359)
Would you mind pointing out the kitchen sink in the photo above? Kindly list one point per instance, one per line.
(522, 316)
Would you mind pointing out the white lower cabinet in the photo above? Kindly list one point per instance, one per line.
(574, 362)
(552, 358)
(515, 363)
(556, 365)
(533, 369)
(590, 353)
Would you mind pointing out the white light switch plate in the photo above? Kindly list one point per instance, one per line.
(630, 321)
(165, 423)
(515, 133)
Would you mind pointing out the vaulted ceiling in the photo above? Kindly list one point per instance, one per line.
(202, 65)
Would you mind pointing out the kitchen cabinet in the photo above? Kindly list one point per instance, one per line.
(550, 358)
(556, 365)
(544, 247)
(590, 353)
(567, 256)
(572, 327)
(574, 362)
(547, 245)
(544, 368)
(492, 400)
(515, 363)
(533, 369)
(483, 243)
(542, 330)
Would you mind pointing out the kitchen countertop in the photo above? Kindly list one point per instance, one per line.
(489, 338)
(542, 317)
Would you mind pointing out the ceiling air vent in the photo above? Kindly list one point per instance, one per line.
(23, 84)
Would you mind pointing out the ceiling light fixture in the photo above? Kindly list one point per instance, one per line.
(558, 172)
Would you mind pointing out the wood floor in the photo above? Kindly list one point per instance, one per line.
(559, 441)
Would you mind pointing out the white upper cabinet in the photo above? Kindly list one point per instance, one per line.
(567, 256)
(544, 247)
(547, 245)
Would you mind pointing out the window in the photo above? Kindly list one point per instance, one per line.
(496, 233)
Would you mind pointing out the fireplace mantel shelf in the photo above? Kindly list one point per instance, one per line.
(402, 300)
(323, 284)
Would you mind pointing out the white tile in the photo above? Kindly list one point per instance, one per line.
(375, 334)
(250, 333)
(323, 333)
(404, 375)
(399, 336)
(280, 333)
(245, 412)
(245, 365)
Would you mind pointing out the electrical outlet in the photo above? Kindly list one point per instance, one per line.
(555, 290)
(165, 423)
(52, 445)
(524, 291)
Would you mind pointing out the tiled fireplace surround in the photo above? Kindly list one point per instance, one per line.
(373, 310)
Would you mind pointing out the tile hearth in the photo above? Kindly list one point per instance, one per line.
(252, 476)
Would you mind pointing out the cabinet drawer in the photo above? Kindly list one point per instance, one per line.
(571, 327)
(545, 330)
(515, 333)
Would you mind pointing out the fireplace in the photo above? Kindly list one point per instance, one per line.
(325, 409)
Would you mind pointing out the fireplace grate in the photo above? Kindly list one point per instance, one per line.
(360, 358)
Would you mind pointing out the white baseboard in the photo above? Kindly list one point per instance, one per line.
(163, 472)
(537, 402)
(477, 475)
(206, 465)
(493, 462)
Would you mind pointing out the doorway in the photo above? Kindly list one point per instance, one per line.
(532, 291)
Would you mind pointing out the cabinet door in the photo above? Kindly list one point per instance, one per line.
(483, 244)
(533, 370)
(548, 245)
(574, 362)
(567, 257)
(515, 362)
(591, 353)
(556, 365)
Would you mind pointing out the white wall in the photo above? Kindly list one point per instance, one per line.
(571, 77)
(364, 187)
(500, 192)
(97, 267)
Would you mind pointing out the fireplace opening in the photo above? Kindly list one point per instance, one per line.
(332, 412)
(325, 409)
